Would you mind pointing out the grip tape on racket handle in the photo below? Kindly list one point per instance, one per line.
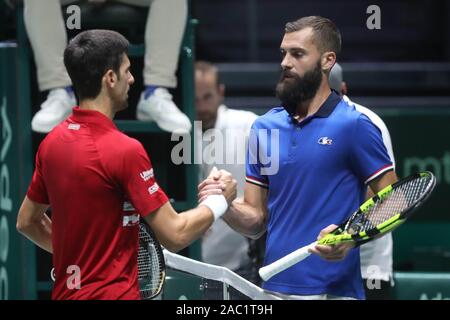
(287, 261)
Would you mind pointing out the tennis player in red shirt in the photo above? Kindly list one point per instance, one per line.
(91, 174)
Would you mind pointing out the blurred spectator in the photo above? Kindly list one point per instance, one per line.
(221, 245)
(376, 256)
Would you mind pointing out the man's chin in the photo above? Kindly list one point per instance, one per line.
(206, 125)
(280, 86)
(286, 82)
(122, 106)
(282, 89)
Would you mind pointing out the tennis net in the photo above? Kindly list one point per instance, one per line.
(192, 279)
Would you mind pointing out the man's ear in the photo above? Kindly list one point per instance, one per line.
(328, 60)
(222, 90)
(110, 78)
(344, 89)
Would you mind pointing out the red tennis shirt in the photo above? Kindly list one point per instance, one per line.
(93, 176)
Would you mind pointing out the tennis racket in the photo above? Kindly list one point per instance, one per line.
(377, 216)
(151, 264)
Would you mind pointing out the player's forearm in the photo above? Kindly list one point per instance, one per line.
(245, 219)
(193, 225)
(38, 231)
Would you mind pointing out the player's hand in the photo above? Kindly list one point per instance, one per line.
(230, 191)
(218, 182)
(211, 185)
(331, 252)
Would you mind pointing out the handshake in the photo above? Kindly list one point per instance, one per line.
(217, 192)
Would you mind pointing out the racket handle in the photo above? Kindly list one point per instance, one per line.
(287, 261)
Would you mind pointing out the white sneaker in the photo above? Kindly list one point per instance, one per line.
(54, 110)
(160, 108)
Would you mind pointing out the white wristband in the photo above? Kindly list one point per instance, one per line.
(217, 203)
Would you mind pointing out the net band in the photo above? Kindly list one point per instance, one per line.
(217, 273)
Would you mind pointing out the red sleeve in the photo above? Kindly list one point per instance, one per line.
(37, 190)
(138, 181)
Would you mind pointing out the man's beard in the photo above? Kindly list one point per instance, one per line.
(296, 90)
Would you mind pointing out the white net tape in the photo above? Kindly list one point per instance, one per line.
(217, 273)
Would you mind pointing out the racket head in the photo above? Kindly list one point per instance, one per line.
(385, 211)
(151, 263)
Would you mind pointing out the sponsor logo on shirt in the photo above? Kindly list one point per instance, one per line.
(325, 141)
(129, 221)
(153, 188)
(73, 126)
(146, 175)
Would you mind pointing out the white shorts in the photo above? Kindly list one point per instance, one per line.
(308, 297)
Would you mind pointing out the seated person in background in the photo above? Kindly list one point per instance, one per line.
(163, 35)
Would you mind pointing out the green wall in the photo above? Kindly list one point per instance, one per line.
(17, 263)
(421, 141)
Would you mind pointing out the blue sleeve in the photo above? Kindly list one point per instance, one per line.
(254, 167)
(369, 156)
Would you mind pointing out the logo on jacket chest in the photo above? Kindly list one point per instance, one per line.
(326, 141)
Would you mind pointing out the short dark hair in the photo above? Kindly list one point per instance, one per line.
(89, 55)
(208, 67)
(326, 36)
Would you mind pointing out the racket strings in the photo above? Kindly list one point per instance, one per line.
(150, 266)
(400, 199)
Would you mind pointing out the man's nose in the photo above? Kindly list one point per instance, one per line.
(286, 63)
